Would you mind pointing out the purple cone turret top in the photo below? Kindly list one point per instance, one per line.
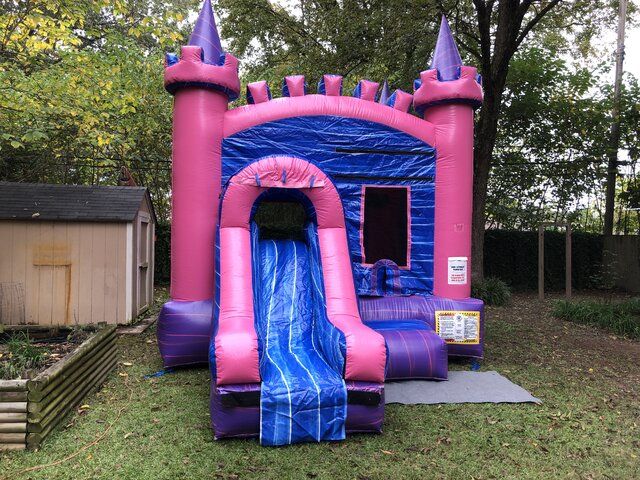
(384, 93)
(446, 58)
(205, 35)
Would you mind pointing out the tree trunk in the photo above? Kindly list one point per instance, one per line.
(485, 141)
(612, 170)
(497, 47)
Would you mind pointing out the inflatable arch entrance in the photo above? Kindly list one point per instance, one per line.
(236, 342)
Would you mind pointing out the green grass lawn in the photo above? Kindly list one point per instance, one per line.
(588, 426)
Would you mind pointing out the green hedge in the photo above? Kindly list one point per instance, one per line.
(622, 318)
(511, 256)
(162, 264)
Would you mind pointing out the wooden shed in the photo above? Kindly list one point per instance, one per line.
(74, 254)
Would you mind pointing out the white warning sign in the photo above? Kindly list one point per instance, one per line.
(458, 270)
(458, 327)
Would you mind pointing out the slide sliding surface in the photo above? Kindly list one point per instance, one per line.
(303, 394)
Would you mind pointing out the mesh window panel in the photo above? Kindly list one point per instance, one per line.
(385, 225)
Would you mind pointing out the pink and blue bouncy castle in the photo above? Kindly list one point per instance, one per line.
(301, 330)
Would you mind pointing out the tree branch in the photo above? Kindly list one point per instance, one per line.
(535, 20)
(473, 51)
(483, 11)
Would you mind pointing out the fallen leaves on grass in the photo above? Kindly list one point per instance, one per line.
(85, 447)
(417, 449)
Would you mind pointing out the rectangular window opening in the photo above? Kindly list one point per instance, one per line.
(385, 225)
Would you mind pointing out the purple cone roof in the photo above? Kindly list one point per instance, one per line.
(385, 93)
(446, 57)
(205, 35)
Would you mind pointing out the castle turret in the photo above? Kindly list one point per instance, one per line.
(202, 81)
(446, 95)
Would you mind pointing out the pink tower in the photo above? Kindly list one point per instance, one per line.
(203, 81)
(446, 95)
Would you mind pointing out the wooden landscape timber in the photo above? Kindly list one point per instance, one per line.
(31, 409)
(13, 414)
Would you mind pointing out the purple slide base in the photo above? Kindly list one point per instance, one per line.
(415, 353)
(183, 332)
(244, 421)
(418, 307)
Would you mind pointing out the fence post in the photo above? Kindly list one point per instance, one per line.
(567, 273)
(541, 261)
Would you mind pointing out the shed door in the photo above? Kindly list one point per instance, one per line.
(53, 283)
(144, 260)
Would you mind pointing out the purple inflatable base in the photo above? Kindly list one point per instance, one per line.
(240, 421)
(183, 332)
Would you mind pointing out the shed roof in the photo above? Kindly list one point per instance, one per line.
(80, 203)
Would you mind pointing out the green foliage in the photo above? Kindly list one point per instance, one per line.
(492, 291)
(162, 256)
(81, 92)
(378, 39)
(512, 256)
(550, 157)
(281, 220)
(38, 33)
(622, 318)
(391, 39)
(22, 355)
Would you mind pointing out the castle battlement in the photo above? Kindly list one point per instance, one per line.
(203, 64)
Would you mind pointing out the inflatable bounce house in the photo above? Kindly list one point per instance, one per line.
(302, 325)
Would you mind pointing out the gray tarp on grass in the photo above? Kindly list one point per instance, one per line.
(462, 387)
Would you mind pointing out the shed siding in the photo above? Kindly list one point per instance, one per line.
(62, 272)
(138, 304)
(142, 253)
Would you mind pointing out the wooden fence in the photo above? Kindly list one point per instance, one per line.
(622, 261)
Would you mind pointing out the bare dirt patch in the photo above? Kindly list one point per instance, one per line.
(24, 354)
(528, 322)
